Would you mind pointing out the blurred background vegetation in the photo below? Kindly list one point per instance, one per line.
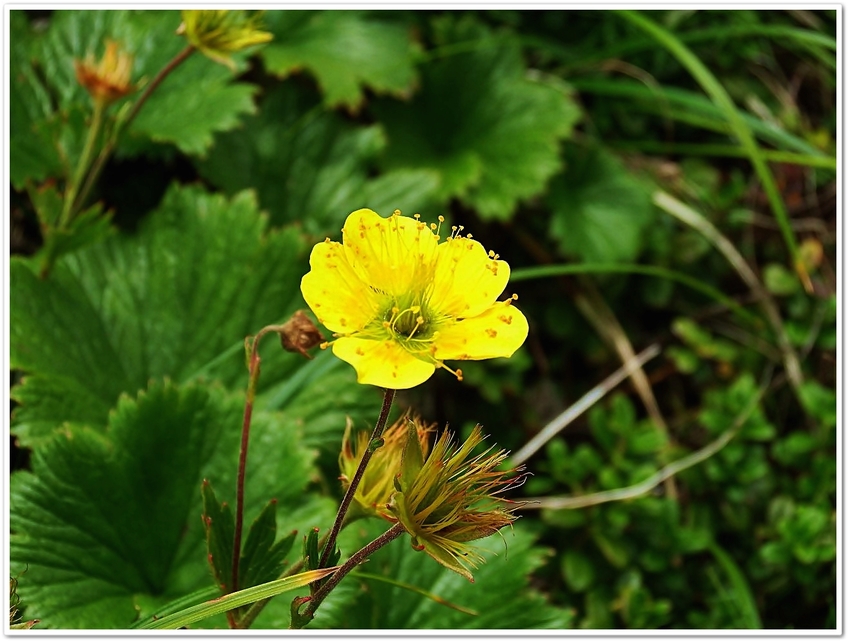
(654, 178)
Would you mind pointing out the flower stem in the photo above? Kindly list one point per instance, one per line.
(253, 377)
(83, 165)
(106, 152)
(330, 545)
(356, 559)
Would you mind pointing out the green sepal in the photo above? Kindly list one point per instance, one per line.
(262, 558)
(219, 526)
(297, 619)
(412, 458)
(311, 549)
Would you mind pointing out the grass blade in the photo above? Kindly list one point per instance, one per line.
(691, 217)
(236, 599)
(538, 272)
(742, 596)
(742, 131)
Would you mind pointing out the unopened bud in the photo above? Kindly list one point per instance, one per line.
(108, 80)
(300, 334)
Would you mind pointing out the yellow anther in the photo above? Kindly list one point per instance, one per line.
(441, 219)
(433, 226)
(396, 213)
(417, 216)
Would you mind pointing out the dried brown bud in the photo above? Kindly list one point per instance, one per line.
(300, 334)
(108, 80)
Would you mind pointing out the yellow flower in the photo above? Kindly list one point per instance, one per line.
(217, 33)
(450, 498)
(376, 487)
(110, 79)
(400, 302)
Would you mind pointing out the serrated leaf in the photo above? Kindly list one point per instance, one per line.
(489, 130)
(219, 526)
(347, 51)
(199, 277)
(262, 558)
(106, 521)
(31, 152)
(600, 211)
(306, 165)
(192, 104)
(195, 100)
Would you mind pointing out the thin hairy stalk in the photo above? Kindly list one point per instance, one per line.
(107, 150)
(694, 219)
(68, 210)
(356, 559)
(416, 590)
(253, 377)
(330, 545)
(743, 133)
(665, 473)
(585, 402)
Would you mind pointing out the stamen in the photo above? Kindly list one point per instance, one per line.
(419, 321)
(456, 372)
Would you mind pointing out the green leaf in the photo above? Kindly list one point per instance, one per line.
(495, 141)
(219, 525)
(32, 154)
(195, 100)
(578, 570)
(820, 402)
(108, 521)
(200, 276)
(600, 211)
(262, 558)
(347, 51)
(307, 165)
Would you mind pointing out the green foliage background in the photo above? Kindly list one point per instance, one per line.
(555, 137)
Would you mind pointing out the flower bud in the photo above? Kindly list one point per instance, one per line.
(108, 80)
(217, 33)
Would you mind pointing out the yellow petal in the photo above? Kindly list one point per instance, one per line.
(394, 255)
(466, 280)
(382, 363)
(497, 332)
(334, 292)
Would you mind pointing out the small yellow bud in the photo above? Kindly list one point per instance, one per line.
(217, 33)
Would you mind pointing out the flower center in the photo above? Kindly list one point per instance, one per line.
(408, 323)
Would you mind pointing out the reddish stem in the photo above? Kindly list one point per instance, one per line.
(330, 545)
(253, 376)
